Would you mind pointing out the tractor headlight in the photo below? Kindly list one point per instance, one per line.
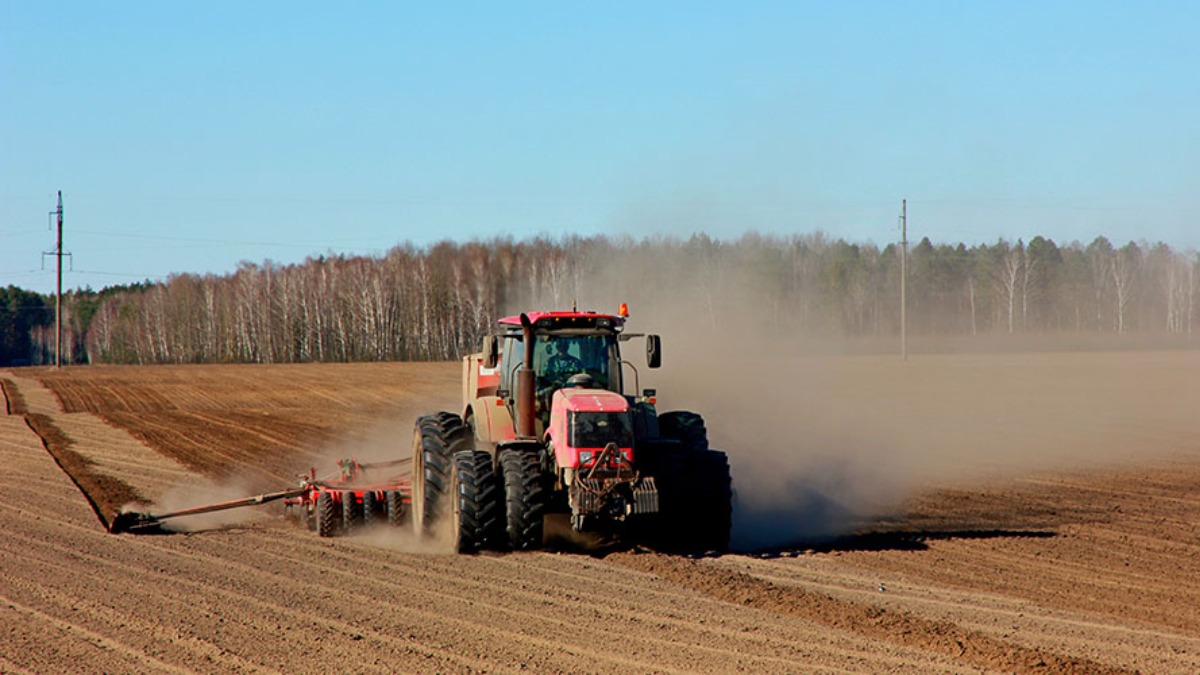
(585, 456)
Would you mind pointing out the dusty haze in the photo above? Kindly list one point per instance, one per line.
(823, 441)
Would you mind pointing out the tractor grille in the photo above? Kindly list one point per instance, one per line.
(610, 495)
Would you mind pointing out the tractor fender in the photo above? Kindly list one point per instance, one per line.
(492, 421)
(477, 380)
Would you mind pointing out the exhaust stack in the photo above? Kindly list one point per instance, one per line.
(526, 385)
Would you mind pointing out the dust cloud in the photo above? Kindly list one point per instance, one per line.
(807, 463)
(389, 440)
(384, 444)
(825, 437)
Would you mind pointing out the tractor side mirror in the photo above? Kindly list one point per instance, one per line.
(653, 351)
(491, 351)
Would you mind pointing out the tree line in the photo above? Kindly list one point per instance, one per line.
(436, 302)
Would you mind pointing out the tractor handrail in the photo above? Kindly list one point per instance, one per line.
(637, 384)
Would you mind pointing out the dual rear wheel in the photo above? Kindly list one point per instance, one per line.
(481, 502)
(475, 504)
(525, 498)
(453, 485)
(503, 503)
(695, 487)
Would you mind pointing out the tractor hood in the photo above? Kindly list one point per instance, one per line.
(584, 421)
(589, 400)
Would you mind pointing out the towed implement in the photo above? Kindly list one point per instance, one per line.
(331, 506)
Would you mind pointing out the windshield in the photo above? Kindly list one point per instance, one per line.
(558, 357)
(597, 429)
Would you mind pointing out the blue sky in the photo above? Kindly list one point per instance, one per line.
(187, 137)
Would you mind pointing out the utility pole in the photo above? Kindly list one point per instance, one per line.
(58, 293)
(58, 253)
(903, 279)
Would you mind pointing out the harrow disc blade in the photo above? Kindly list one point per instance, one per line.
(134, 522)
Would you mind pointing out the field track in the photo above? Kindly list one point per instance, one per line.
(1084, 571)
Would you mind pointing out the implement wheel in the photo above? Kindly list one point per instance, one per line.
(308, 514)
(370, 508)
(327, 515)
(524, 498)
(394, 502)
(351, 512)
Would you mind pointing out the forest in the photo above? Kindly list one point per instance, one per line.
(436, 302)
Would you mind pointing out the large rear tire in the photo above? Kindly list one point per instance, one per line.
(436, 438)
(711, 502)
(664, 530)
(686, 427)
(524, 498)
(475, 505)
(694, 484)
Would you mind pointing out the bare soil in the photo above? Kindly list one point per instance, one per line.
(1043, 567)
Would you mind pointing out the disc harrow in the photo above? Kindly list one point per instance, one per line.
(333, 505)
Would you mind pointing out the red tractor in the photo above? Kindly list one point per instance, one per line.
(548, 432)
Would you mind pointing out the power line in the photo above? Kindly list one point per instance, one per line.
(237, 242)
(120, 274)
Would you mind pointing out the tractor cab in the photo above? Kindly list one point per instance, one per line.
(510, 385)
(565, 344)
(557, 358)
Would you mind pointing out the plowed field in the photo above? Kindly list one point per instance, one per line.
(1085, 568)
